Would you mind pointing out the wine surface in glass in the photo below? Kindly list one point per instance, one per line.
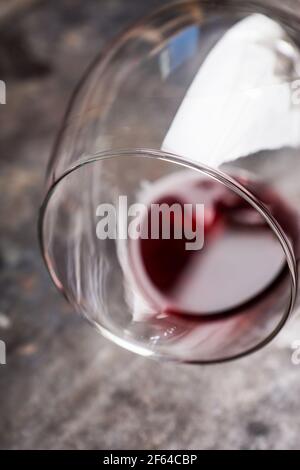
(240, 260)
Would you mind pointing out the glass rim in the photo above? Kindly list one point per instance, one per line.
(219, 176)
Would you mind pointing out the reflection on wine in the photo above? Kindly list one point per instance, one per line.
(241, 258)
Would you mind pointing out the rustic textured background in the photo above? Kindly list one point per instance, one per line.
(64, 386)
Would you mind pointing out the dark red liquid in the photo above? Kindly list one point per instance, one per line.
(240, 260)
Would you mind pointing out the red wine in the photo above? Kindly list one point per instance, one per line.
(241, 257)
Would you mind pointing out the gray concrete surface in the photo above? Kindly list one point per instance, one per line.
(64, 386)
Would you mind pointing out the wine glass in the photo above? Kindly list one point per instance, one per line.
(194, 112)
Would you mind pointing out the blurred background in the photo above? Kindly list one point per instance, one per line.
(64, 386)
